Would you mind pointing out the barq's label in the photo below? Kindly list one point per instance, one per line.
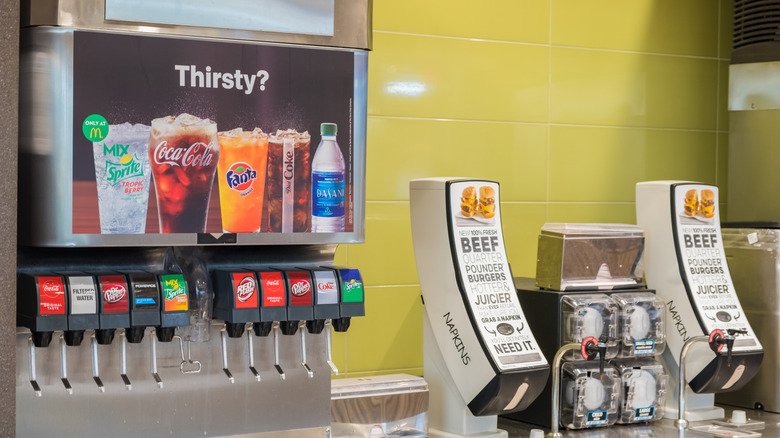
(484, 276)
(706, 272)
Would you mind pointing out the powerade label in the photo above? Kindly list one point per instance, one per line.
(175, 297)
(596, 418)
(245, 288)
(644, 414)
(327, 287)
(114, 293)
(351, 286)
(644, 346)
(273, 289)
(300, 288)
(51, 292)
(83, 295)
(327, 194)
(706, 272)
(146, 294)
(484, 278)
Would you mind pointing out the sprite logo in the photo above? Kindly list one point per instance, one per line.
(240, 177)
(173, 289)
(129, 166)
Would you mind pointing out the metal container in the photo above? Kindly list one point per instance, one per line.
(753, 256)
(589, 257)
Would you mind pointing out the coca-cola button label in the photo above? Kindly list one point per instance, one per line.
(245, 287)
(327, 287)
(300, 288)
(51, 292)
(114, 293)
(273, 289)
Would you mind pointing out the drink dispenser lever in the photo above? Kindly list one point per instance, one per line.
(717, 340)
(96, 365)
(277, 331)
(251, 350)
(305, 365)
(329, 340)
(33, 376)
(64, 365)
(123, 361)
(153, 360)
(224, 335)
(590, 348)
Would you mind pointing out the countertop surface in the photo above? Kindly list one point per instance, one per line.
(659, 429)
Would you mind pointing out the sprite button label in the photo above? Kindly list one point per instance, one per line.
(174, 293)
(351, 286)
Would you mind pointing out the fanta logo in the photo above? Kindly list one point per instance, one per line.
(240, 177)
(197, 155)
(245, 289)
(326, 286)
(300, 288)
(114, 294)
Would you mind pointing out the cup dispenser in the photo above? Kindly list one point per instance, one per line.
(686, 263)
(643, 390)
(481, 358)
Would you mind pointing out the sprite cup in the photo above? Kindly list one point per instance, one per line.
(122, 174)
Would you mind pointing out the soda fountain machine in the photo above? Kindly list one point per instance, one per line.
(169, 175)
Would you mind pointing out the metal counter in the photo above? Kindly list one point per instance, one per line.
(661, 429)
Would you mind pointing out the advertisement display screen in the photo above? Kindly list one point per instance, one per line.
(175, 135)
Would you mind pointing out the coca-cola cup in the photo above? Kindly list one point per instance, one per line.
(183, 152)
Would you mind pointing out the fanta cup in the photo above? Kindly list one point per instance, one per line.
(241, 168)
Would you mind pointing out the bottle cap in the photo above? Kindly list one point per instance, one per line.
(328, 128)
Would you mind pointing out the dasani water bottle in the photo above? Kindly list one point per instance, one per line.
(327, 184)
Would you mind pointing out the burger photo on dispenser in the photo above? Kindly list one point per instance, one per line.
(691, 206)
(468, 202)
(487, 202)
(707, 204)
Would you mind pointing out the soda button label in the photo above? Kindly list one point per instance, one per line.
(114, 291)
(51, 292)
(273, 289)
(327, 287)
(174, 293)
(83, 295)
(245, 288)
(352, 286)
(300, 286)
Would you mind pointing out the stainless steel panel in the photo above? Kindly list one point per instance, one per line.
(754, 86)
(313, 17)
(202, 404)
(46, 154)
(753, 162)
(754, 261)
(351, 22)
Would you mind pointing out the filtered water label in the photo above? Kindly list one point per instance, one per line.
(327, 194)
(83, 295)
(596, 418)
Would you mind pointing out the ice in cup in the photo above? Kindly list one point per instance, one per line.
(184, 151)
(288, 183)
(122, 174)
(243, 156)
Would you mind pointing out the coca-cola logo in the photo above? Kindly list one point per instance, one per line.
(114, 294)
(326, 286)
(197, 155)
(245, 289)
(51, 289)
(300, 288)
(272, 282)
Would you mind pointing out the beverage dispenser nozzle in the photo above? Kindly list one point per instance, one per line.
(64, 365)
(95, 364)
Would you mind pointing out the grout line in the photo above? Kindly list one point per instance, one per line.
(570, 125)
(391, 285)
(549, 44)
(549, 101)
(386, 371)
(718, 97)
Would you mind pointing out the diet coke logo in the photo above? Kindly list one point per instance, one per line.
(197, 155)
(300, 288)
(114, 294)
(326, 286)
(245, 289)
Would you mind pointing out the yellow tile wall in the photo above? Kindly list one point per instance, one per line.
(567, 103)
